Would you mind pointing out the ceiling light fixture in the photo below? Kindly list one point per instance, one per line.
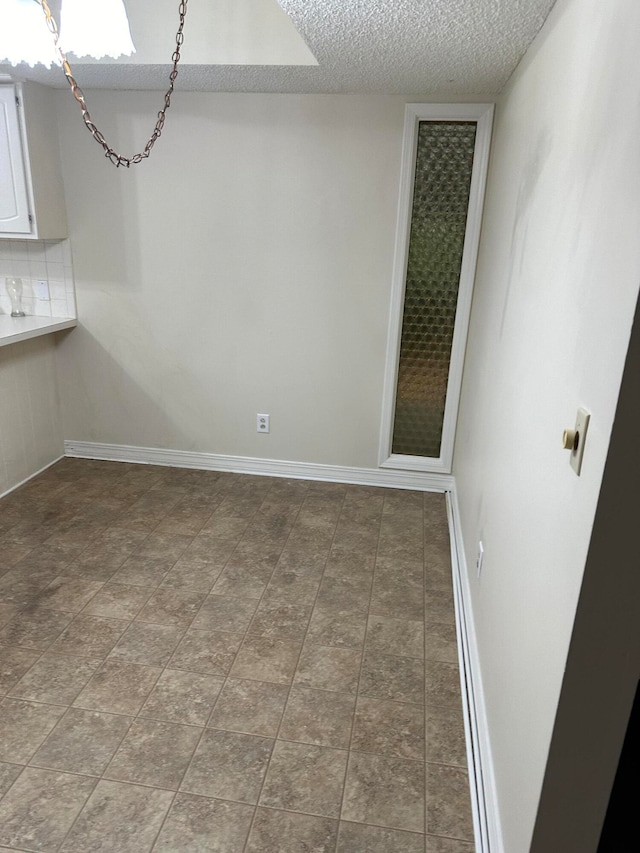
(94, 28)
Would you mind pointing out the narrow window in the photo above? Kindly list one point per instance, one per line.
(435, 260)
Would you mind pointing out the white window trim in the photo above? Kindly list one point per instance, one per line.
(414, 114)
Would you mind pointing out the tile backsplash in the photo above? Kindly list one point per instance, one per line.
(39, 261)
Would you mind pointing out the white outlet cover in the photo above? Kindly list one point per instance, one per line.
(582, 425)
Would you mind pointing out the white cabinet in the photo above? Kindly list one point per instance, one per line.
(31, 191)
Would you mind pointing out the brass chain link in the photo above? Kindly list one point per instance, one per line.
(110, 153)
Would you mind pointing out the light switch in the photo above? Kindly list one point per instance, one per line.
(41, 290)
(574, 439)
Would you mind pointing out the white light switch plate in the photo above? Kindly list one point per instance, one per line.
(582, 425)
(41, 290)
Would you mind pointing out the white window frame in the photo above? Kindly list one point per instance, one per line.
(414, 114)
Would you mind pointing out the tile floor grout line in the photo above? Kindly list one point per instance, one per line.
(357, 694)
(290, 686)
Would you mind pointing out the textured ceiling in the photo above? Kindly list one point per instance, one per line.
(427, 48)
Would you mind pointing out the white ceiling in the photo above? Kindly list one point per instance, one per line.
(427, 48)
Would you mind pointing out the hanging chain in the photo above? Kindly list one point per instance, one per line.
(110, 153)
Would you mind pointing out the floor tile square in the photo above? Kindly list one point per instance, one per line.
(8, 775)
(343, 563)
(252, 707)
(345, 593)
(228, 765)
(23, 727)
(391, 677)
(225, 613)
(55, 679)
(199, 824)
(69, 593)
(20, 588)
(337, 628)
(389, 728)
(401, 637)
(41, 807)
(280, 621)
(118, 601)
(148, 644)
(397, 597)
(168, 546)
(285, 832)
(82, 742)
(439, 606)
(90, 636)
(183, 697)
(293, 588)
(197, 576)
(445, 736)
(441, 642)
(448, 809)
(325, 668)
(7, 612)
(171, 607)
(349, 538)
(14, 662)
(305, 778)
(443, 684)
(243, 581)
(143, 571)
(386, 791)
(154, 753)
(264, 659)
(130, 816)
(224, 528)
(118, 687)
(318, 717)
(210, 652)
(35, 630)
(308, 563)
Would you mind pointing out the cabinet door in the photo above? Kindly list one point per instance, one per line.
(14, 204)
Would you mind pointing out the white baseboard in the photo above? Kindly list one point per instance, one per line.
(484, 801)
(417, 480)
(30, 477)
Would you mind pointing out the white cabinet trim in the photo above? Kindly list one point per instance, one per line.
(13, 175)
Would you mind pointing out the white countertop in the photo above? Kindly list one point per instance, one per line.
(14, 329)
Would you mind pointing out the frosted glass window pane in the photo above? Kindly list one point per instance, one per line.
(442, 182)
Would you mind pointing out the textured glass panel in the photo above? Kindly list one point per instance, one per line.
(438, 221)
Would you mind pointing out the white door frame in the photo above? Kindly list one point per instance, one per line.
(414, 114)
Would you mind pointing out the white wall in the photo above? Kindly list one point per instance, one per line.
(245, 267)
(30, 426)
(556, 287)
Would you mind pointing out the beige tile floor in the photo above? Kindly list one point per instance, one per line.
(194, 661)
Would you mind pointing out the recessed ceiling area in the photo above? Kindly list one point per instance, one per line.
(425, 48)
(222, 32)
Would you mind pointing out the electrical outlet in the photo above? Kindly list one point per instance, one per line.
(262, 423)
(479, 558)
